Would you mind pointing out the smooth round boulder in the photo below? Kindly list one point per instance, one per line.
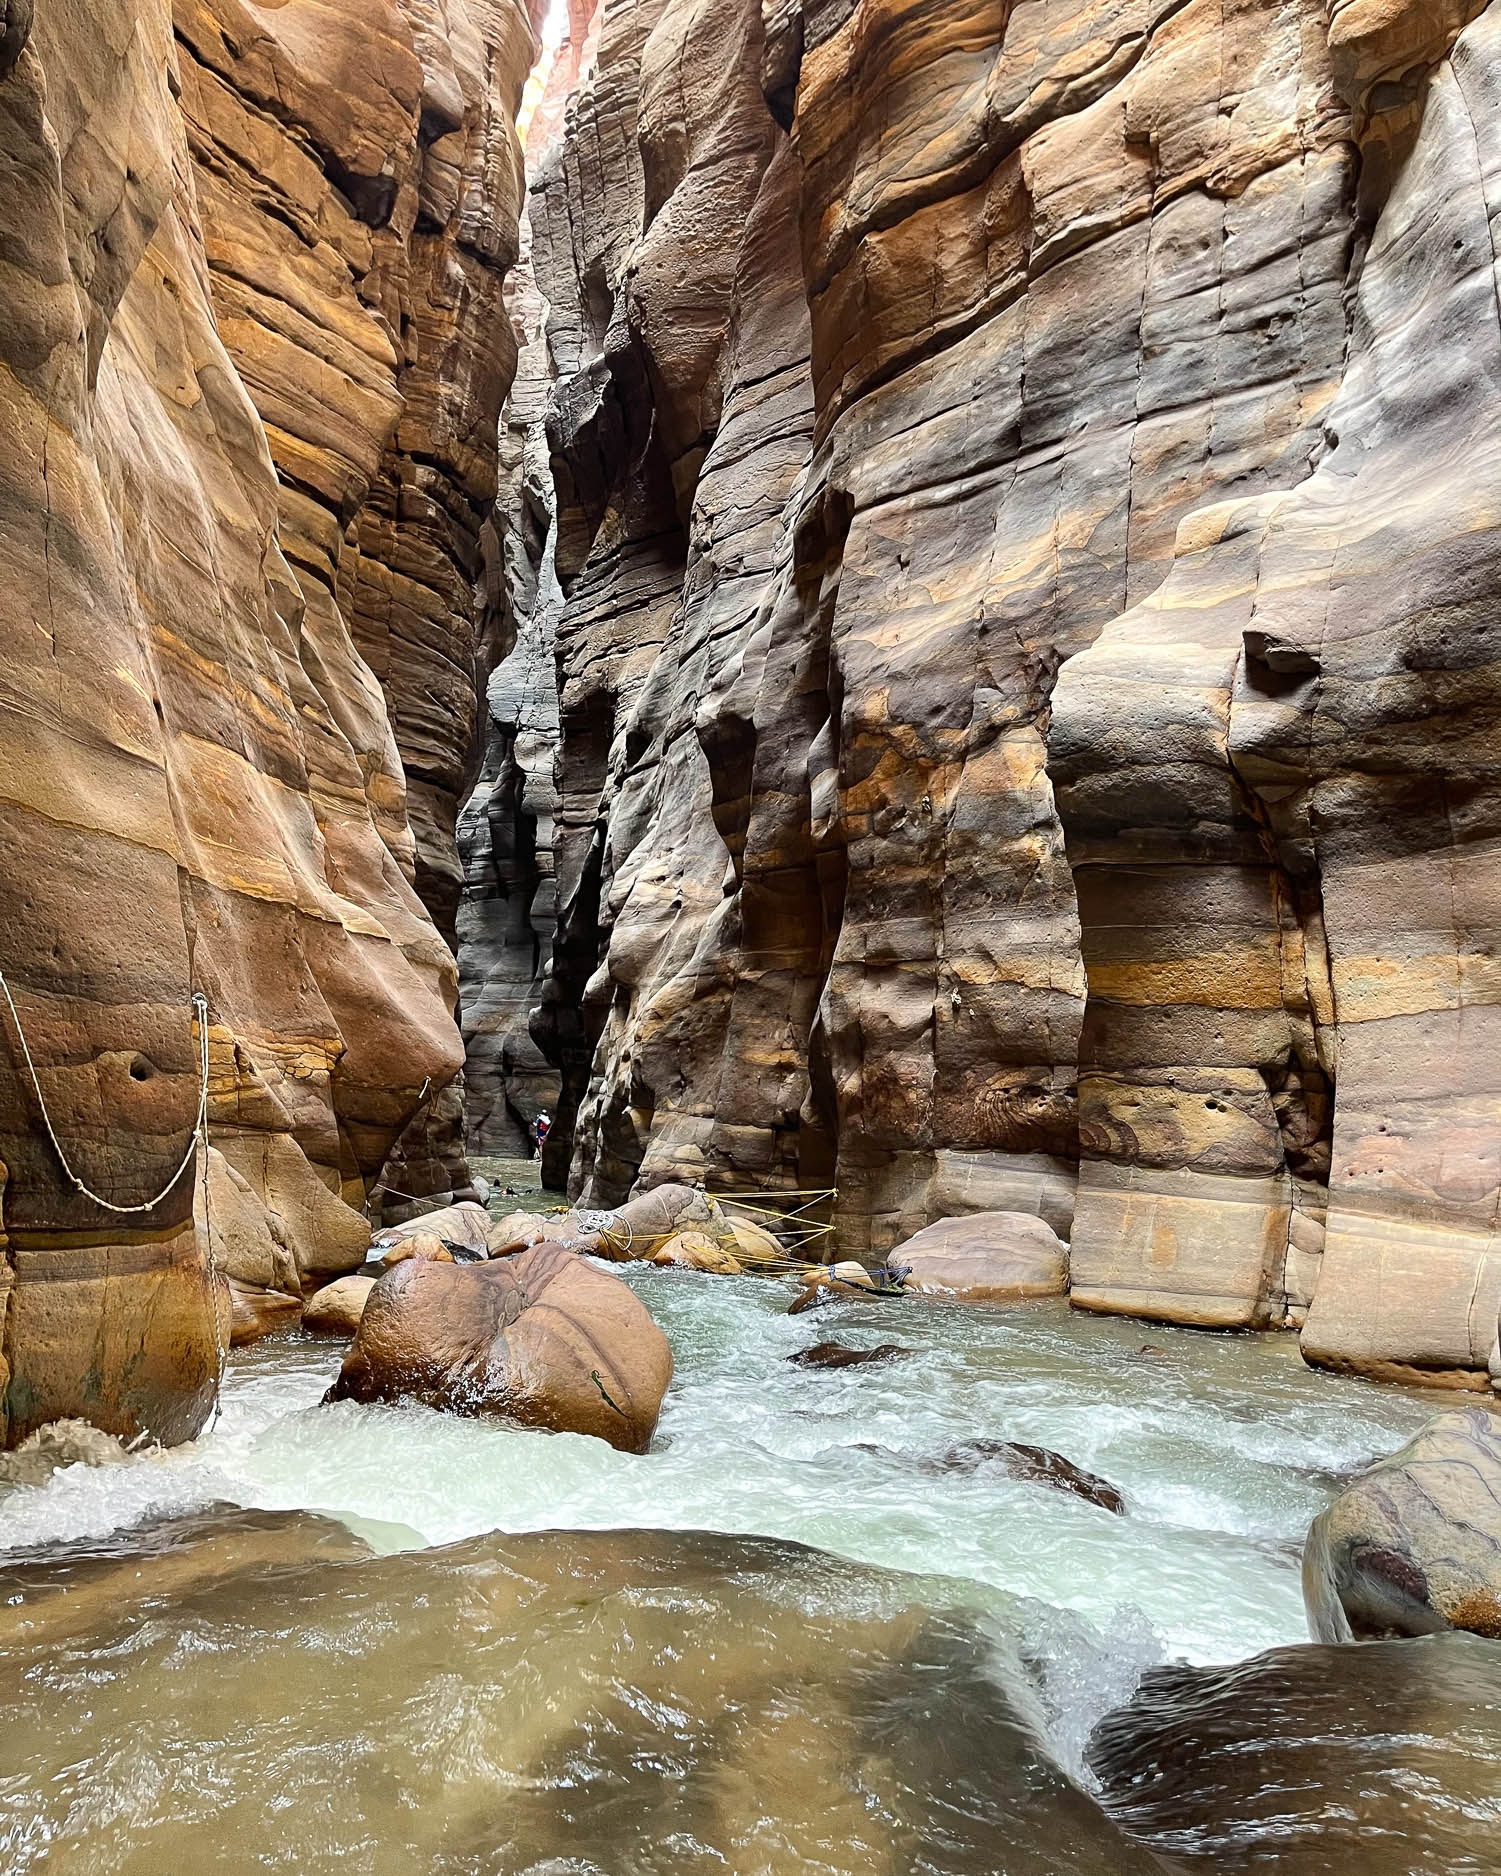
(692, 1250)
(753, 1245)
(545, 1338)
(1413, 1546)
(990, 1257)
(338, 1307)
(517, 1231)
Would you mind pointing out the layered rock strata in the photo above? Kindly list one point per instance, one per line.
(1020, 477)
(199, 782)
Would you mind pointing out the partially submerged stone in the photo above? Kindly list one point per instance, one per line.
(338, 1307)
(544, 1338)
(838, 1355)
(1414, 1545)
(991, 1257)
(60, 1443)
(1034, 1465)
(422, 1244)
(462, 1228)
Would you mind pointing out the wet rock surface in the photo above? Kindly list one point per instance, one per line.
(1316, 1761)
(544, 1338)
(834, 1355)
(1414, 1544)
(812, 1713)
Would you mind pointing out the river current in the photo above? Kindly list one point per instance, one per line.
(1224, 1448)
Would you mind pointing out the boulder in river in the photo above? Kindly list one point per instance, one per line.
(545, 1338)
(837, 1355)
(423, 1244)
(1413, 1545)
(337, 1307)
(463, 1228)
(990, 1257)
(694, 1250)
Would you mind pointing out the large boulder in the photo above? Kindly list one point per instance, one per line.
(544, 1338)
(1413, 1545)
(991, 1257)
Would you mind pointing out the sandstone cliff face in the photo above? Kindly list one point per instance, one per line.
(957, 405)
(199, 780)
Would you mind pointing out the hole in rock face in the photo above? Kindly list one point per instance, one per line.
(141, 1069)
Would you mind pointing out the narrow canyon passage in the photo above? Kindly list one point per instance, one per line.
(750, 783)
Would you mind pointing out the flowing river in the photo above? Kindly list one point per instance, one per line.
(448, 1710)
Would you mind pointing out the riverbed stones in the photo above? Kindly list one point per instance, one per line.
(1414, 1545)
(991, 1257)
(337, 1308)
(546, 1339)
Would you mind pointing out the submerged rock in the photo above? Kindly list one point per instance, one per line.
(1414, 1545)
(837, 1355)
(1315, 1761)
(338, 1307)
(610, 1701)
(991, 1257)
(1034, 1465)
(544, 1338)
(56, 1594)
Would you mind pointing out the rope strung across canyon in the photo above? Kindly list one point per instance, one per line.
(198, 1139)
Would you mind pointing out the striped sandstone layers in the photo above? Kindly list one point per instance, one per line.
(958, 404)
(199, 782)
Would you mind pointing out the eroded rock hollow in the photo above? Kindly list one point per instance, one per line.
(1005, 554)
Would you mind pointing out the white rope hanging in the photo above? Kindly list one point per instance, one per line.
(198, 1138)
(200, 1008)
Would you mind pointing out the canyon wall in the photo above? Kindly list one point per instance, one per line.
(1021, 662)
(250, 360)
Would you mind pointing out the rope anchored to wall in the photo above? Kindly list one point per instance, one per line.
(198, 1138)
